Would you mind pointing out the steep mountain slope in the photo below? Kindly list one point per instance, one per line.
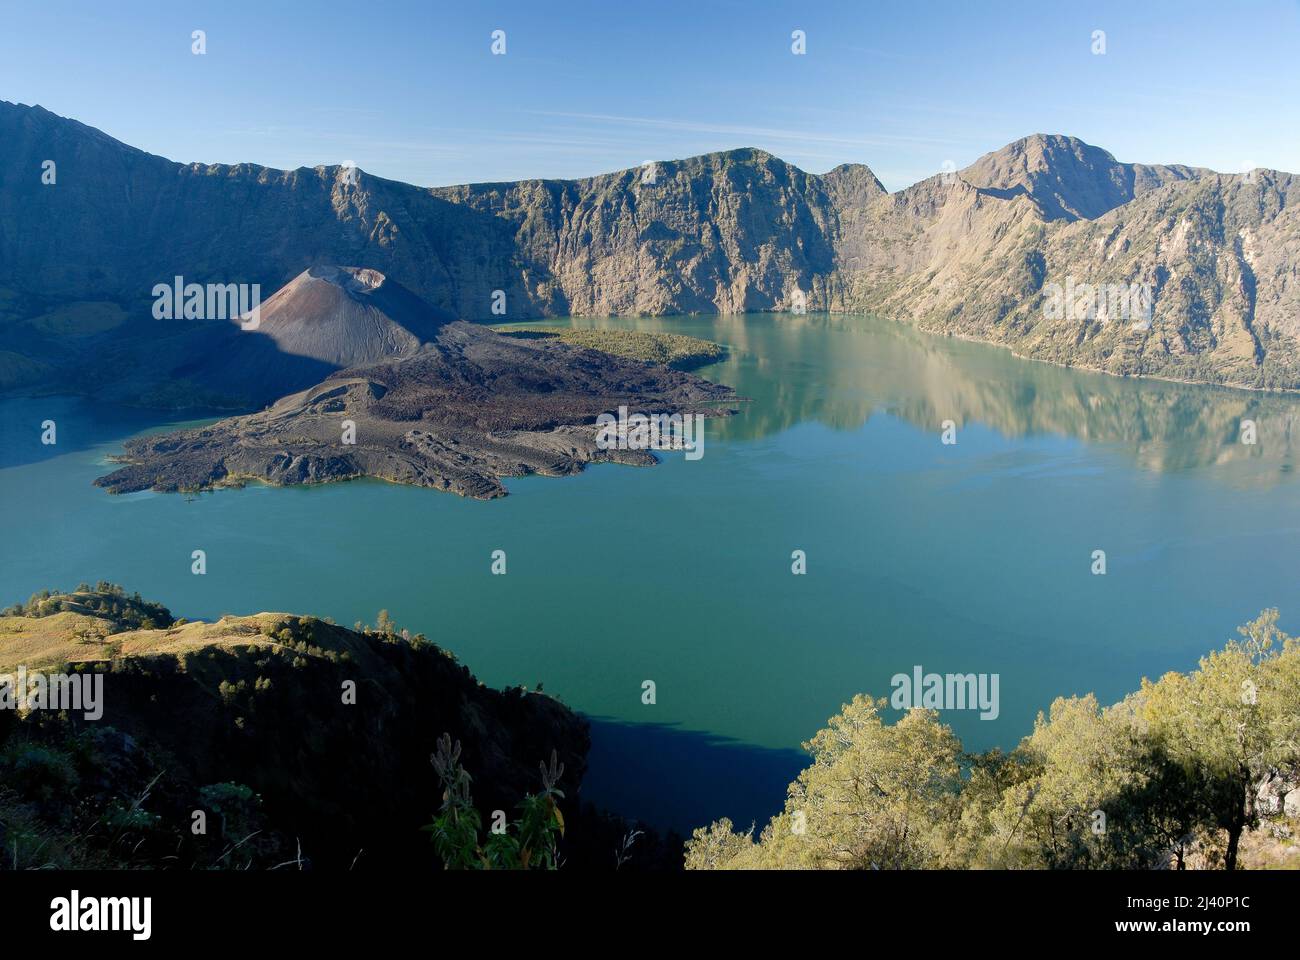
(974, 253)
(720, 232)
(1215, 258)
(727, 232)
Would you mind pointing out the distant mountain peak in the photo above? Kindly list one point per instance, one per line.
(1045, 146)
(742, 153)
(854, 176)
(1068, 178)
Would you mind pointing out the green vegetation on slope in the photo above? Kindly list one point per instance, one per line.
(1192, 770)
(242, 720)
(107, 603)
(293, 742)
(672, 349)
(297, 741)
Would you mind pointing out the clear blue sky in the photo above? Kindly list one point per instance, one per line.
(410, 90)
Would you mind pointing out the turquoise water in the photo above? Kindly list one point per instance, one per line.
(973, 557)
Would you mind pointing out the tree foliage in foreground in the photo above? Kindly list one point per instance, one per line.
(1181, 769)
(529, 843)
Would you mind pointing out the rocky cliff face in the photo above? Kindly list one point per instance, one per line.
(975, 252)
(727, 232)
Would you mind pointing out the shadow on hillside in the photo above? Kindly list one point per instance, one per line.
(681, 779)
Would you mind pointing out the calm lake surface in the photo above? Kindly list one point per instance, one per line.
(973, 557)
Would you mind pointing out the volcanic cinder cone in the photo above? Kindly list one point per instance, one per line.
(325, 319)
(345, 316)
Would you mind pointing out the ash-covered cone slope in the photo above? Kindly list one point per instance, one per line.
(467, 410)
(347, 316)
(325, 319)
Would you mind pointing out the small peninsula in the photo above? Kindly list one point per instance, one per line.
(459, 409)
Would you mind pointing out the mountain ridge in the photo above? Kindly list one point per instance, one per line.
(733, 152)
(972, 252)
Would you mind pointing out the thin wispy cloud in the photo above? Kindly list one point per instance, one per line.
(768, 133)
(891, 87)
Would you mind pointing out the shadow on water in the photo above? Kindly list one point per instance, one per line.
(680, 779)
(78, 424)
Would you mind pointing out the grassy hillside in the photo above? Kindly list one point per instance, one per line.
(281, 729)
(300, 744)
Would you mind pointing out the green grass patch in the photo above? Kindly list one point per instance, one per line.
(672, 349)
